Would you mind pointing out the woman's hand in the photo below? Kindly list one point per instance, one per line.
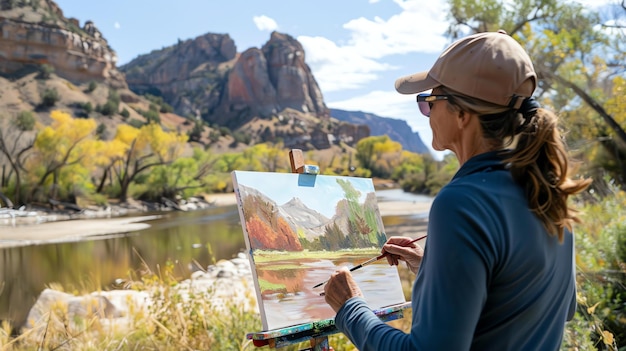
(340, 288)
(400, 248)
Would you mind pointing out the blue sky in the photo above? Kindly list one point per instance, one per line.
(355, 48)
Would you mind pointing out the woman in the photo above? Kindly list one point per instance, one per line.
(497, 271)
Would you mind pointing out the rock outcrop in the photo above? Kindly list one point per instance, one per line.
(266, 81)
(35, 32)
(226, 284)
(205, 76)
(188, 75)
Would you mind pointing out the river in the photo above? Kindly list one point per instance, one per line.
(191, 240)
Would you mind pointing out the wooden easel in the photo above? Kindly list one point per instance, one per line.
(315, 332)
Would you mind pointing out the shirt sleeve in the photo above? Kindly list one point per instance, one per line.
(366, 331)
(450, 289)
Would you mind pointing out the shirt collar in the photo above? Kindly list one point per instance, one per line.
(485, 162)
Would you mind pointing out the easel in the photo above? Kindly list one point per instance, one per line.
(315, 332)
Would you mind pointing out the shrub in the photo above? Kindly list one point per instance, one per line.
(108, 109)
(45, 71)
(125, 113)
(50, 97)
(92, 86)
(101, 130)
(88, 107)
(133, 122)
(25, 120)
(601, 271)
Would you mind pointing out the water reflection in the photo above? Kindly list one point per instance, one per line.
(190, 239)
(302, 303)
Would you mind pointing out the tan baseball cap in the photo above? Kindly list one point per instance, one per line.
(489, 66)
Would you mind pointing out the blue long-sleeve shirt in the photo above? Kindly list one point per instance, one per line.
(491, 277)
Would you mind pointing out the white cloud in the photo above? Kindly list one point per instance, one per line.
(418, 28)
(117, 25)
(337, 68)
(265, 23)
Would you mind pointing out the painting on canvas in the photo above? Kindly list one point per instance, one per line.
(299, 229)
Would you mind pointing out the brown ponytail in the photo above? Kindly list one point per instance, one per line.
(541, 165)
(539, 161)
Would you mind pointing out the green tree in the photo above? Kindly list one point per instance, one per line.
(267, 157)
(144, 148)
(379, 154)
(184, 177)
(14, 145)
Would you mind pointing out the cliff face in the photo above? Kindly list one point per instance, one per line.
(267, 93)
(35, 32)
(274, 78)
(188, 75)
(205, 76)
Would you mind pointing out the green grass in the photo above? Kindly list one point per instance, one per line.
(261, 256)
(265, 286)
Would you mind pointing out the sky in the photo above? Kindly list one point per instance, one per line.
(356, 49)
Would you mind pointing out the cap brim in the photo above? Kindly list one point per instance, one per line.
(416, 83)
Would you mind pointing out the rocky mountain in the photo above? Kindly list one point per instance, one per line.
(35, 32)
(207, 76)
(396, 129)
(268, 93)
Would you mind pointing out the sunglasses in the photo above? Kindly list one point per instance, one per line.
(425, 102)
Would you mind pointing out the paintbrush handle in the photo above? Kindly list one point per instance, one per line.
(374, 259)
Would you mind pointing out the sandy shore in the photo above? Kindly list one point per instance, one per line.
(74, 230)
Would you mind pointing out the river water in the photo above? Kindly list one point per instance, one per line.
(191, 240)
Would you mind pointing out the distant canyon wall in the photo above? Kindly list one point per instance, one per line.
(76, 57)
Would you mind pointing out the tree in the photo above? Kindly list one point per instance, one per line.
(66, 142)
(181, 176)
(144, 148)
(379, 154)
(14, 145)
(266, 157)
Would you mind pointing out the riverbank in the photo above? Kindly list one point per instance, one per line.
(54, 228)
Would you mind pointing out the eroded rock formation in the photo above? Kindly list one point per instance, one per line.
(35, 32)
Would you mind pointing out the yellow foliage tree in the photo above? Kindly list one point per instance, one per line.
(379, 154)
(143, 148)
(67, 142)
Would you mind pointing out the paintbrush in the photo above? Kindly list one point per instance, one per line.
(373, 259)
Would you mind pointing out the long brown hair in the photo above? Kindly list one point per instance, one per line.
(539, 161)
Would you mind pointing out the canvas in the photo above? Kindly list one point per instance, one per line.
(299, 229)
